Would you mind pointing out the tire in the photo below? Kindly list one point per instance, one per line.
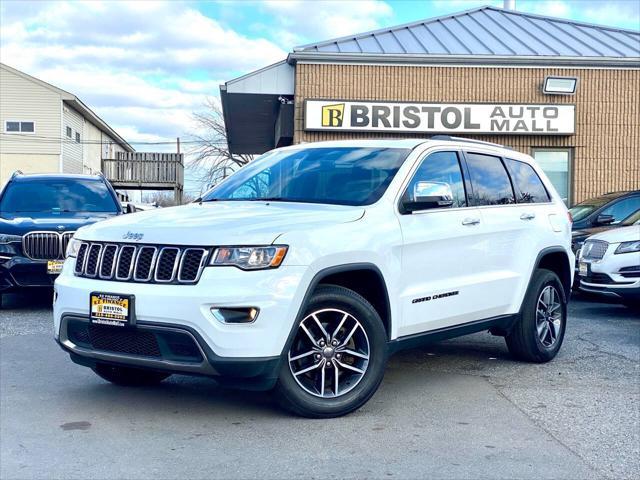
(352, 326)
(537, 337)
(129, 377)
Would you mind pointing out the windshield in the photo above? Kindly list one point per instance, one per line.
(586, 208)
(52, 195)
(342, 176)
(632, 219)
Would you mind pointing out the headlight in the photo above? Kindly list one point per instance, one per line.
(628, 247)
(250, 258)
(4, 238)
(72, 247)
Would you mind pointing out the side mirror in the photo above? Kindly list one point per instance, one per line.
(604, 219)
(427, 195)
(131, 208)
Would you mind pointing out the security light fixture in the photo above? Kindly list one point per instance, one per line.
(560, 85)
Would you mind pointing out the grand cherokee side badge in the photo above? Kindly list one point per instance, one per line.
(133, 236)
(435, 297)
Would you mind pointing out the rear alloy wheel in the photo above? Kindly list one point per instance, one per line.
(128, 376)
(549, 316)
(336, 359)
(538, 335)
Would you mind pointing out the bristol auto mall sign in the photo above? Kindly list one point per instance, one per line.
(401, 117)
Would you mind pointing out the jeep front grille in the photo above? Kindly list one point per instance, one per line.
(594, 249)
(46, 245)
(141, 263)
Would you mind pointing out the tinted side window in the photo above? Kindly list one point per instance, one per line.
(529, 187)
(622, 209)
(442, 167)
(491, 184)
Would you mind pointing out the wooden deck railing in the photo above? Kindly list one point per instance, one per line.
(152, 171)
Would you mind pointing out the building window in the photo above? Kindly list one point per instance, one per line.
(556, 164)
(16, 126)
(69, 132)
(77, 137)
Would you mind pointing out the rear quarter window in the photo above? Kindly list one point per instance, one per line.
(529, 188)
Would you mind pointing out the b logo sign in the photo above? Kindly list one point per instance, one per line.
(332, 115)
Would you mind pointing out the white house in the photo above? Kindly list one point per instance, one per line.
(45, 129)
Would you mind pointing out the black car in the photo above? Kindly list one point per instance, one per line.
(38, 215)
(608, 209)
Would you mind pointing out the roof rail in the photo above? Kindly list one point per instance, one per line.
(467, 140)
(17, 172)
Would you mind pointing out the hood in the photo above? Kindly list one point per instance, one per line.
(618, 235)
(22, 223)
(219, 223)
(585, 232)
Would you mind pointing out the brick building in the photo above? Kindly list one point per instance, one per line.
(568, 93)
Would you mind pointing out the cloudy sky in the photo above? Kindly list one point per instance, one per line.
(145, 66)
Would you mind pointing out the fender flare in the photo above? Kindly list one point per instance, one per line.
(317, 278)
(542, 253)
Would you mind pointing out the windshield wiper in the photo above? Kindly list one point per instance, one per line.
(267, 199)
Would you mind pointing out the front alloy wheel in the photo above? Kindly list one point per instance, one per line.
(336, 357)
(330, 353)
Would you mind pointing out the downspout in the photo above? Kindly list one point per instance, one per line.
(62, 133)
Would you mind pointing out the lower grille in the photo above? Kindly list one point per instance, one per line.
(119, 340)
(148, 342)
(598, 278)
(602, 278)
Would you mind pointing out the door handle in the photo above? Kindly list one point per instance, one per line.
(527, 216)
(471, 221)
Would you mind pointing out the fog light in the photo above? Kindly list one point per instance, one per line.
(236, 315)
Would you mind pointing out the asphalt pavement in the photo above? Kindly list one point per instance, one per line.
(458, 409)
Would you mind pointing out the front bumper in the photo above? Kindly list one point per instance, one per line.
(607, 277)
(621, 292)
(17, 272)
(166, 348)
(277, 293)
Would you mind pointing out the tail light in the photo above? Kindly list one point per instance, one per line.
(570, 217)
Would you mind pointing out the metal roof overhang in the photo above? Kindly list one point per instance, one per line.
(250, 120)
(252, 106)
(464, 60)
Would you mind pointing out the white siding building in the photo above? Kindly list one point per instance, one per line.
(45, 129)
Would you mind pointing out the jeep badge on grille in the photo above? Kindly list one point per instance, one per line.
(133, 236)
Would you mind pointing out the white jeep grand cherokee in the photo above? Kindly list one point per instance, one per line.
(307, 268)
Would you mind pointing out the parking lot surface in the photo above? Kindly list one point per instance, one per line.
(458, 409)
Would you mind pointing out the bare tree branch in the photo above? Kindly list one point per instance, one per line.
(211, 154)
